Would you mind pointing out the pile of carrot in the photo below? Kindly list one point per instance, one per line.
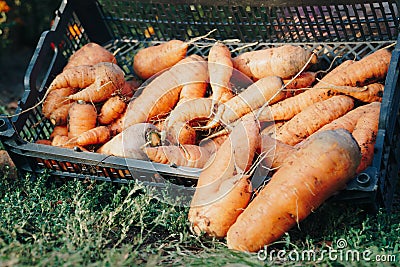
(313, 130)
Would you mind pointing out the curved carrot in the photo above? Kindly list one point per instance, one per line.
(55, 98)
(59, 130)
(95, 136)
(112, 109)
(59, 116)
(320, 168)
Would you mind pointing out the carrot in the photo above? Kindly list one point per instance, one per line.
(81, 118)
(223, 188)
(305, 80)
(272, 128)
(90, 54)
(220, 69)
(59, 140)
(369, 93)
(369, 69)
(95, 136)
(213, 144)
(56, 98)
(43, 142)
(349, 120)
(108, 78)
(276, 152)
(365, 132)
(186, 155)
(129, 88)
(253, 97)
(59, 130)
(316, 171)
(153, 59)
(59, 116)
(192, 91)
(312, 118)
(112, 109)
(162, 93)
(129, 143)
(177, 124)
(284, 61)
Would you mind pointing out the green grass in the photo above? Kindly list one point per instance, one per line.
(79, 223)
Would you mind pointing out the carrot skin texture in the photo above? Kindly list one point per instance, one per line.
(283, 61)
(186, 155)
(55, 98)
(81, 118)
(365, 132)
(192, 91)
(312, 118)
(90, 54)
(95, 136)
(59, 116)
(222, 189)
(220, 68)
(252, 98)
(369, 69)
(161, 94)
(153, 59)
(108, 79)
(321, 167)
(304, 80)
(59, 130)
(112, 109)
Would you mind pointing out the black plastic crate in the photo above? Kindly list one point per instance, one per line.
(347, 29)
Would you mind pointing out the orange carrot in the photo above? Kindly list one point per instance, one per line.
(223, 188)
(276, 152)
(220, 69)
(213, 144)
(43, 142)
(90, 54)
(95, 136)
(59, 140)
(81, 118)
(320, 168)
(186, 155)
(264, 90)
(162, 93)
(192, 91)
(177, 125)
(108, 78)
(129, 88)
(364, 133)
(296, 86)
(112, 109)
(349, 120)
(59, 116)
(153, 59)
(283, 61)
(369, 69)
(55, 99)
(312, 118)
(369, 93)
(59, 130)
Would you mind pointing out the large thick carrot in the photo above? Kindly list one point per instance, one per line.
(316, 171)
(267, 89)
(312, 118)
(370, 69)
(220, 69)
(153, 59)
(90, 54)
(81, 118)
(186, 155)
(192, 91)
(283, 61)
(162, 93)
(223, 188)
